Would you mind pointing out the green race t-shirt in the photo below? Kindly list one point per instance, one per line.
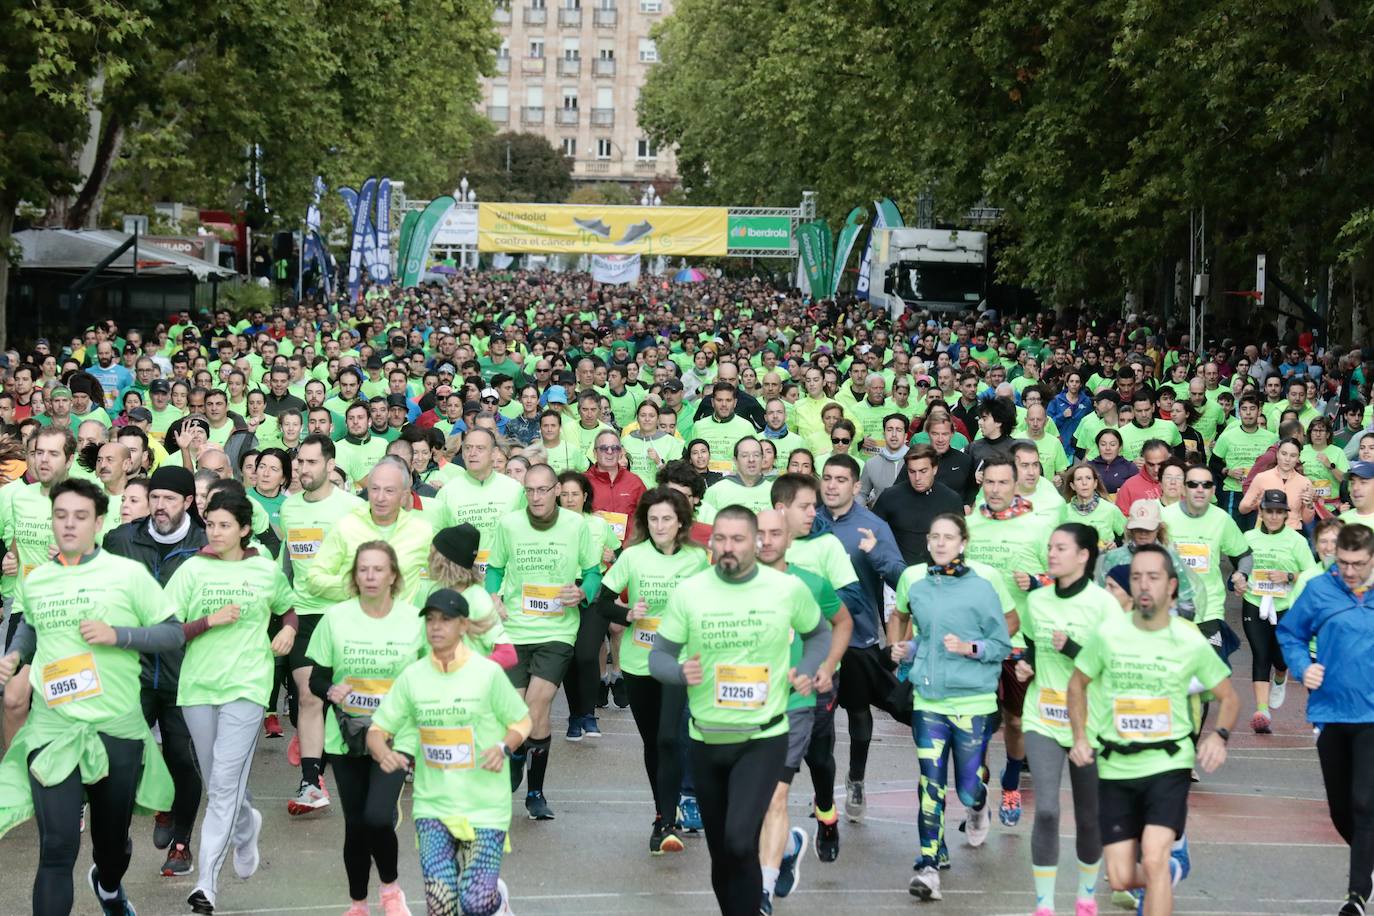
(824, 555)
(1105, 517)
(1144, 678)
(743, 633)
(1201, 543)
(731, 490)
(25, 522)
(829, 603)
(457, 714)
(1285, 552)
(480, 503)
(721, 438)
(1010, 546)
(77, 680)
(534, 566)
(1079, 616)
(645, 574)
(367, 653)
(232, 662)
(1238, 449)
(1324, 484)
(1133, 437)
(666, 447)
(304, 525)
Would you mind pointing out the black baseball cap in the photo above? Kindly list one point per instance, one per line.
(1274, 499)
(447, 602)
(160, 386)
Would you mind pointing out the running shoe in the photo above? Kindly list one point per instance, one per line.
(574, 728)
(293, 751)
(926, 885)
(358, 908)
(1354, 906)
(595, 226)
(1261, 723)
(394, 903)
(1124, 900)
(504, 891)
(978, 824)
(590, 728)
(689, 813)
(854, 803)
(1039, 911)
(789, 870)
(517, 769)
(603, 694)
(271, 725)
(1083, 907)
(162, 830)
(308, 798)
(246, 858)
(827, 841)
(635, 232)
(119, 906)
(200, 902)
(620, 693)
(1278, 691)
(178, 862)
(537, 807)
(1184, 860)
(1010, 812)
(766, 904)
(664, 838)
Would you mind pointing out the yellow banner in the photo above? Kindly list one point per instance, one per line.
(570, 229)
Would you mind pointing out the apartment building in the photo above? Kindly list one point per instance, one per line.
(571, 70)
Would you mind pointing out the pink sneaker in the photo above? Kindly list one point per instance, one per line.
(1085, 908)
(1039, 911)
(293, 751)
(359, 908)
(394, 903)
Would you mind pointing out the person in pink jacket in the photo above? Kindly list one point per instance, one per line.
(1284, 476)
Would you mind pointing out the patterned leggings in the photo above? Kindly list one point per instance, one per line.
(937, 736)
(460, 877)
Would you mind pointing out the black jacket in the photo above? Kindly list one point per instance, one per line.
(954, 469)
(132, 540)
(909, 515)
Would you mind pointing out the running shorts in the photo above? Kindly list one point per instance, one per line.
(799, 722)
(1127, 806)
(548, 661)
(1011, 691)
(296, 657)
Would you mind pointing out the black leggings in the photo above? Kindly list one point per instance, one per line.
(820, 751)
(57, 809)
(584, 675)
(159, 705)
(657, 711)
(1346, 752)
(1262, 635)
(868, 682)
(368, 797)
(735, 784)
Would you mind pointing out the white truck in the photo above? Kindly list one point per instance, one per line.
(935, 270)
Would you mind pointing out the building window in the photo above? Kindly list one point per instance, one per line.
(648, 51)
(651, 6)
(570, 99)
(536, 4)
(504, 50)
(537, 48)
(572, 4)
(572, 49)
(603, 148)
(606, 51)
(570, 147)
(646, 149)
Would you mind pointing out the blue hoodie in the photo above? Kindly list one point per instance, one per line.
(1343, 624)
(884, 564)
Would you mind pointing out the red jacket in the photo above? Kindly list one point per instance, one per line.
(1140, 486)
(619, 496)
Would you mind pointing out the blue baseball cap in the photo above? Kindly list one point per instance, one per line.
(557, 395)
(1362, 469)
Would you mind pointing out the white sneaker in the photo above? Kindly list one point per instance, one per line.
(978, 825)
(1278, 692)
(926, 885)
(505, 899)
(246, 857)
(308, 799)
(855, 804)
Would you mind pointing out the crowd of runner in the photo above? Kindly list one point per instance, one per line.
(403, 525)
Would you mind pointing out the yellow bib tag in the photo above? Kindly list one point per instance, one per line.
(645, 628)
(482, 556)
(741, 686)
(448, 748)
(1197, 557)
(1054, 707)
(304, 543)
(1261, 584)
(365, 694)
(723, 467)
(1143, 718)
(617, 520)
(1322, 491)
(541, 600)
(70, 678)
(28, 568)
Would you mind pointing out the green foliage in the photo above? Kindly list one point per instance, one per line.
(518, 167)
(604, 193)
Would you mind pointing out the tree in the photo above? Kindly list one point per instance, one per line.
(603, 193)
(517, 167)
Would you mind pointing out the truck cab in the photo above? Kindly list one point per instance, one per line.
(935, 270)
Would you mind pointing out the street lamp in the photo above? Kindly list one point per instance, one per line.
(462, 192)
(650, 197)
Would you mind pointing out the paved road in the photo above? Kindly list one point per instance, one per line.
(1260, 839)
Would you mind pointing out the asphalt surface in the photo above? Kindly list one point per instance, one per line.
(1261, 841)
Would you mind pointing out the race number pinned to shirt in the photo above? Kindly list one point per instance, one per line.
(1195, 555)
(541, 600)
(1054, 707)
(618, 521)
(448, 748)
(365, 694)
(304, 543)
(723, 467)
(741, 686)
(70, 679)
(482, 556)
(645, 631)
(1143, 718)
(1262, 584)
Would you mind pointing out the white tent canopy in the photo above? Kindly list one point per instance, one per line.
(82, 249)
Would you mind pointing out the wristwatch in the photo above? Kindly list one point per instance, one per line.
(505, 749)
(1224, 734)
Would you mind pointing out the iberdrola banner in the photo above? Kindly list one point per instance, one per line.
(815, 243)
(844, 245)
(422, 238)
(577, 229)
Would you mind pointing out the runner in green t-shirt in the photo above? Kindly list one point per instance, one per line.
(86, 618)
(1202, 534)
(1323, 463)
(356, 653)
(1145, 665)
(457, 561)
(734, 625)
(747, 486)
(477, 493)
(468, 720)
(1237, 448)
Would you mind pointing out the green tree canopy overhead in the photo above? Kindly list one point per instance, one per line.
(517, 167)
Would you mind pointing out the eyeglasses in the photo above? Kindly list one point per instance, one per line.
(1199, 484)
(837, 440)
(610, 449)
(540, 491)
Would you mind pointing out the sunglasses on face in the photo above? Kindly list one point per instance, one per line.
(1199, 484)
(838, 440)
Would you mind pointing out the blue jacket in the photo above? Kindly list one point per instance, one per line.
(1069, 425)
(884, 564)
(968, 607)
(1344, 626)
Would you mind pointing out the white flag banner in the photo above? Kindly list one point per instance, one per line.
(615, 268)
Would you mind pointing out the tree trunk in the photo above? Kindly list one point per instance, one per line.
(1361, 297)
(6, 227)
(84, 211)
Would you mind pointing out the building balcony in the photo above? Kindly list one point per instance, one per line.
(597, 167)
(498, 114)
(501, 15)
(503, 65)
(603, 117)
(567, 117)
(604, 19)
(535, 15)
(532, 114)
(569, 19)
(569, 66)
(603, 66)
(534, 65)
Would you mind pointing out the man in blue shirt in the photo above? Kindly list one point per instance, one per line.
(111, 375)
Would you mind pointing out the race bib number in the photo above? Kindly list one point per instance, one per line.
(741, 686)
(646, 628)
(365, 694)
(69, 679)
(1054, 707)
(889, 602)
(618, 522)
(1261, 584)
(1143, 718)
(1322, 491)
(541, 600)
(723, 467)
(448, 748)
(27, 568)
(1197, 557)
(304, 543)
(482, 556)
